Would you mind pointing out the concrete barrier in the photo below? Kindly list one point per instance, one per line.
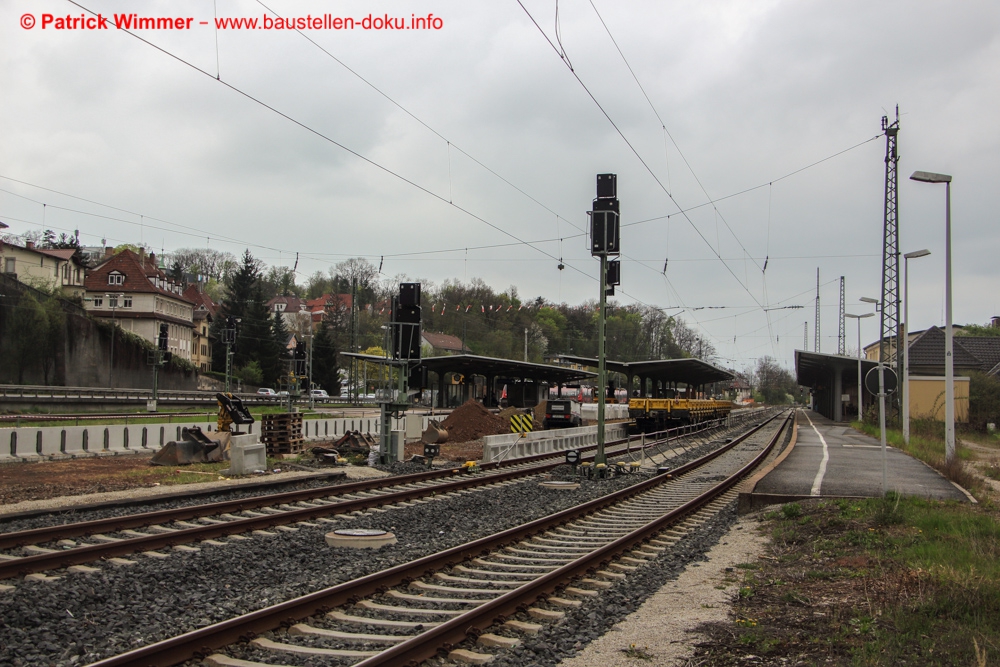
(29, 443)
(611, 411)
(514, 445)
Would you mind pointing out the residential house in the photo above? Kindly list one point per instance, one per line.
(131, 290)
(44, 268)
(204, 314)
(440, 344)
(927, 368)
(293, 311)
(328, 305)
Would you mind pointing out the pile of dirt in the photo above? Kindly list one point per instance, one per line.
(507, 413)
(471, 421)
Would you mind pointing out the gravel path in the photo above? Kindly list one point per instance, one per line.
(660, 631)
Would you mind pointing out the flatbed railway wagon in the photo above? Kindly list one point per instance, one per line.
(658, 414)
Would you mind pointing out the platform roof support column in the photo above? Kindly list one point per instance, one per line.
(838, 390)
(442, 401)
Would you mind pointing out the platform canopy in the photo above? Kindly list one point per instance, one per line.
(833, 381)
(816, 368)
(490, 367)
(692, 372)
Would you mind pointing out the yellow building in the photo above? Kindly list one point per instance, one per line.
(927, 398)
(44, 268)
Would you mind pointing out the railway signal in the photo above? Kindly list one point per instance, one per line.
(605, 240)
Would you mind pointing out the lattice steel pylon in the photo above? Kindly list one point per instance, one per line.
(842, 333)
(816, 323)
(889, 330)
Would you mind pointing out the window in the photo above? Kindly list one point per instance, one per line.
(127, 302)
(204, 350)
(98, 302)
(10, 265)
(112, 302)
(115, 278)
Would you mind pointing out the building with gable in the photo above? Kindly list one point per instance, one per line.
(44, 268)
(131, 290)
(203, 315)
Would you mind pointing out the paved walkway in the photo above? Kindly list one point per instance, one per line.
(832, 459)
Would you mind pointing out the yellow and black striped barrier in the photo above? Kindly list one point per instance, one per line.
(523, 423)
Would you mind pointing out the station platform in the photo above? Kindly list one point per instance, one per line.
(827, 459)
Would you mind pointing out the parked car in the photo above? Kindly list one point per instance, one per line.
(319, 395)
(264, 391)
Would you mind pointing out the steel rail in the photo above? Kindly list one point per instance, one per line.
(477, 620)
(113, 524)
(201, 642)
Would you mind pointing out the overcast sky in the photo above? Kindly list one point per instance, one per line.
(396, 145)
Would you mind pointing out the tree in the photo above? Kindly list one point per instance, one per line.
(774, 383)
(63, 242)
(214, 264)
(978, 330)
(326, 373)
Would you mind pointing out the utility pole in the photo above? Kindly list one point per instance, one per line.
(526, 343)
(889, 340)
(816, 323)
(842, 334)
(353, 379)
(805, 336)
(604, 240)
(309, 353)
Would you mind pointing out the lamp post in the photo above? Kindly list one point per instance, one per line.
(904, 396)
(949, 360)
(113, 303)
(859, 318)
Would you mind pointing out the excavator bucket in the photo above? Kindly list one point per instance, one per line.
(434, 433)
(194, 446)
(234, 406)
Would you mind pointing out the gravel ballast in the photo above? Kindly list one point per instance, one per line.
(85, 617)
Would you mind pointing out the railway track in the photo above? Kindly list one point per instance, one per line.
(31, 553)
(469, 600)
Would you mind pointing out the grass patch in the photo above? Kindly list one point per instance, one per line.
(898, 581)
(189, 474)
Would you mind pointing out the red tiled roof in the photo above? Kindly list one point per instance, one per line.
(320, 303)
(440, 341)
(64, 254)
(199, 298)
(137, 272)
(293, 304)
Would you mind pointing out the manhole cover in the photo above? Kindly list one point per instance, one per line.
(360, 538)
(559, 484)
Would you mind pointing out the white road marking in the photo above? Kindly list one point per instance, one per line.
(818, 482)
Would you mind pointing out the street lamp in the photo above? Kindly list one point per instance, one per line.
(949, 360)
(113, 303)
(904, 396)
(859, 318)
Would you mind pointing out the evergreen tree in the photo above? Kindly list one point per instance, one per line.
(326, 373)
